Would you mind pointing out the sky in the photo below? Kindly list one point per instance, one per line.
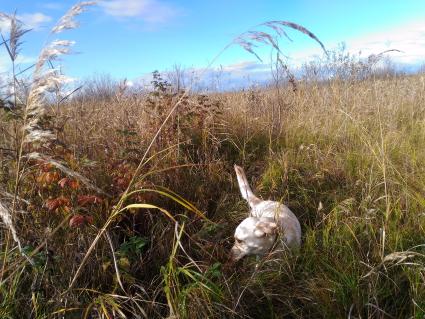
(131, 38)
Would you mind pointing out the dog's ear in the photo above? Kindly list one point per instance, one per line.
(265, 227)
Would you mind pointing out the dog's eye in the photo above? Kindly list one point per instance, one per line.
(238, 240)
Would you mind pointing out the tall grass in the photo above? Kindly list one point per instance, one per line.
(151, 239)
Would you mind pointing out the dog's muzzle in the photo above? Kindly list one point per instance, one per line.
(236, 253)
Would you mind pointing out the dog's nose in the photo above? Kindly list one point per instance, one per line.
(235, 254)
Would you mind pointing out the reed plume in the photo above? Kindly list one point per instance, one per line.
(7, 220)
(45, 80)
(251, 39)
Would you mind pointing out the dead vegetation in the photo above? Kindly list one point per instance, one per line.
(123, 203)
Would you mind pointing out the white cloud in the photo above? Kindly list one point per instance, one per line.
(4, 25)
(22, 61)
(226, 77)
(408, 38)
(4, 62)
(35, 21)
(52, 5)
(246, 66)
(151, 11)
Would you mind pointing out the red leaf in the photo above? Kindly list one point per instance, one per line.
(55, 203)
(122, 182)
(51, 177)
(62, 183)
(88, 199)
(89, 220)
(74, 184)
(46, 167)
(47, 178)
(77, 221)
(80, 220)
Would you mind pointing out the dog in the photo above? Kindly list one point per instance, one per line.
(256, 234)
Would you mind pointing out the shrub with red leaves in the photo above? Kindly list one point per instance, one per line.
(71, 183)
(80, 220)
(84, 200)
(122, 173)
(45, 167)
(45, 179)
(55, 203)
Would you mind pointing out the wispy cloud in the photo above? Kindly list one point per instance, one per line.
(22, 62)
(35, 21)
(226, 77)
(52, 5)
(4, 64)
(150, 11)
(4, 25)
(246, 66)
(408, 38)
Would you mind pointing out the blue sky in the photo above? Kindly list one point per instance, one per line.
(129, 38)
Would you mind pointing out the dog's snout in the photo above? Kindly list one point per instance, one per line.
(235, 253)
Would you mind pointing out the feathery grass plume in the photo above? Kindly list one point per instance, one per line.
(16, 31)
(68, 20)
(9, 196)
(247, 46)
(12, 45)
(45, 80)
(277, 25)
(7, 220)
(248, 40)
(375, 58)
(42, 84)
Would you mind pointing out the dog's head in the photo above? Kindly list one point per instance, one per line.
(254, 236)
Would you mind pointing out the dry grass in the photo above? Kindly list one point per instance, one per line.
(346, 157)
(151, 238)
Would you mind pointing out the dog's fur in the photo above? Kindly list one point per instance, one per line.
(256, 234)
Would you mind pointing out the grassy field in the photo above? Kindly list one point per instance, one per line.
(347, 158)
(101, 223)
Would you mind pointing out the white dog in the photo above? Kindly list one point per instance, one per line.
(256, 234)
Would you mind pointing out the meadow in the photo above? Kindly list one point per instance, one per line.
(122, 203)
